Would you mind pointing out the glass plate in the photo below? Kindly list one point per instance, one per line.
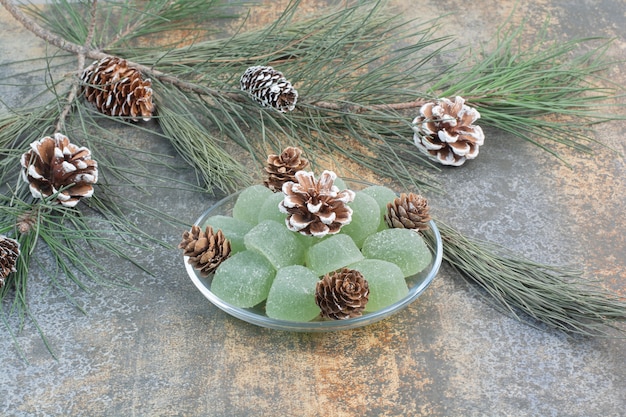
(256, 315)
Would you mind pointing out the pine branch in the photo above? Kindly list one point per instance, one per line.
(85, 51)
(357, 108)
(533, 292)
(81, 67)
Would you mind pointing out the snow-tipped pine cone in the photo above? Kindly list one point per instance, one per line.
(445, 131)
(55, 167)
(316, 207)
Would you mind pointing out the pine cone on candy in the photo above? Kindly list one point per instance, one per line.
(316, 207)
(409, 211)
(282, 168)
(269, 88)
(342, 294)
(117, 89)
(9, 252)
(206, 249)
(445, 132)
(56, 167)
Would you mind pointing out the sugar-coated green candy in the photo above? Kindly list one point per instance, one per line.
(234, 230)
(365, 218)
(244, 279)
(332, 253)
(269, 209)
(386, 282)
(383, 196)
(277, 243)
(292, 295)
(308, 240)
(249, 201)
(403, 247)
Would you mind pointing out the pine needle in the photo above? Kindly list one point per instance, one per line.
(198, 145)
(532, 292)
(346, 57)
(546, 92)
(121, 23)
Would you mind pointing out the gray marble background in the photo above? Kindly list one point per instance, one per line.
(163, 350)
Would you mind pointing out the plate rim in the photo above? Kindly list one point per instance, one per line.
(315, 326)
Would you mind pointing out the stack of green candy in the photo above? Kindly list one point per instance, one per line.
(273, 264)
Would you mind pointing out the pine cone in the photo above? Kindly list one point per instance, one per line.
(269, 87)
(282, 168)
(444, 131)
(315, 207)
(9, 252)
(206, 250)
(117, 89)
(54, 166)
(409, 211)
(342, 294)
(26, 221)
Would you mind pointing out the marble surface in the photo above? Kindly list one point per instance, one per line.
(162, 350)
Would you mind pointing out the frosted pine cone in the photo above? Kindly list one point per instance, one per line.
(206, 249)
(315, 207)
(54, 166)
(117, 89)
(444, 131)
(342, 294)
(9, 252)
(409, 211)
(269, 88)
(282, 168)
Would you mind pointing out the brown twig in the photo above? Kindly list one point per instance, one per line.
(359, 108)
(81, 66)
(92, 24)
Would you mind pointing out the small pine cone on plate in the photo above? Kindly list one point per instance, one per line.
(315, 207)
(206, 249)
(342, 294)
(409, 211)
(55, 167)
(117, 89)
(445, 131)
(9, 252)
(269, 88)
(282, 168)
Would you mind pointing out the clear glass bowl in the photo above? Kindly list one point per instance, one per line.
(256, 315)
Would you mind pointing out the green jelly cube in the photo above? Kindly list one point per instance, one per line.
(292, 296)
(332, 253)
(244, 279)
(234, 230)
(365, 218)
(403, 247)
(308, 240)
(383, 196)
(386, 282)
(269, 209)
(246, 207)
(277, 243)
